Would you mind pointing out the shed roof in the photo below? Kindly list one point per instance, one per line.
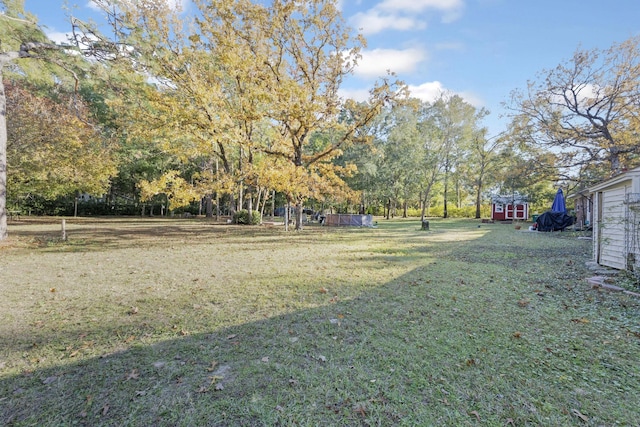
(516, 198)
(625, 176)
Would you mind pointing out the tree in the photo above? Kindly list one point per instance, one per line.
(587, 108)
(454, 122)
(481, 160)
(399, 146)
(240, 66)
(21, 38)
(53, 150)
(311, 52)
(526, 171)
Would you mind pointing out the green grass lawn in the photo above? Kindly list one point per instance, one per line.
(190, 323)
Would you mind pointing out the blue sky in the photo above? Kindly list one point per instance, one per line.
(479, 49)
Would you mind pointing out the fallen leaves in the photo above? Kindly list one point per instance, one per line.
(213, 381)
(133, 375)
(49, 380)
(580, 415)
(581, 320)
(524, 302)
(360, 408)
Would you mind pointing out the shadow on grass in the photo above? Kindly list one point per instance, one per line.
(92, 234)
(460, 340)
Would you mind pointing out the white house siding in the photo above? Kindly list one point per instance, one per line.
(616, 216)
(612, 227)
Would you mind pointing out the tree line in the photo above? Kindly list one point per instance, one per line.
(238, 103)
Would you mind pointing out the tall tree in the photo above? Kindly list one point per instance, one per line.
(240, 65)
(587, 108)
(311, 52)
(20, 38)
(53, 150)
(454, 122)
(481, 160)
(399, 161)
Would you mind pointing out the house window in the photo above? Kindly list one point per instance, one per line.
(499, 208)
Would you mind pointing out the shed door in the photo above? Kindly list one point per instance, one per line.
(612, 244)
(521, 212)
(509, 211)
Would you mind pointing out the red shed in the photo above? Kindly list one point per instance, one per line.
(514, 206)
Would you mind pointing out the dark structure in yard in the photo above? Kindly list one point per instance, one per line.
(553, 221)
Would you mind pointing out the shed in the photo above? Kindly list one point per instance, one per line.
(509, 207)
(616, 212)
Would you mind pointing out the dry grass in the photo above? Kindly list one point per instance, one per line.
(185, 322)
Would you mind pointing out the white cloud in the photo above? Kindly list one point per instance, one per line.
(376, 62)
(372, 22)
(359, 95)
(427, 92)
(430, 91)
(173, 4)
(421, 5)
(58, 37)
(405, 15)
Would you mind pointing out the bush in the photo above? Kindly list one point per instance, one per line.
(242, 217)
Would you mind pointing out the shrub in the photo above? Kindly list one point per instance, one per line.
(242, 217)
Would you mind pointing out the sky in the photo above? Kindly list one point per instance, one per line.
(481, 50)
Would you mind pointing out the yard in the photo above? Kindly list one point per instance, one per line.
(185, 323)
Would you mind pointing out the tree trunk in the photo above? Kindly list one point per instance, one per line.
(446, 187)
(478, 199)
(208, 206)
(3, 154)
(258, 199)
(286, 215)
(273, 204)
(299, 215)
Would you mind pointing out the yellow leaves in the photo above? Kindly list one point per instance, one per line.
(52, 148)
(177, 189)
(581, 320)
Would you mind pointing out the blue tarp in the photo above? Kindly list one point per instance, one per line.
(558, 204)
(555, 219)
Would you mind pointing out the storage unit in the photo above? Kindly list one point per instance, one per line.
(616, 217)
(509, 207)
